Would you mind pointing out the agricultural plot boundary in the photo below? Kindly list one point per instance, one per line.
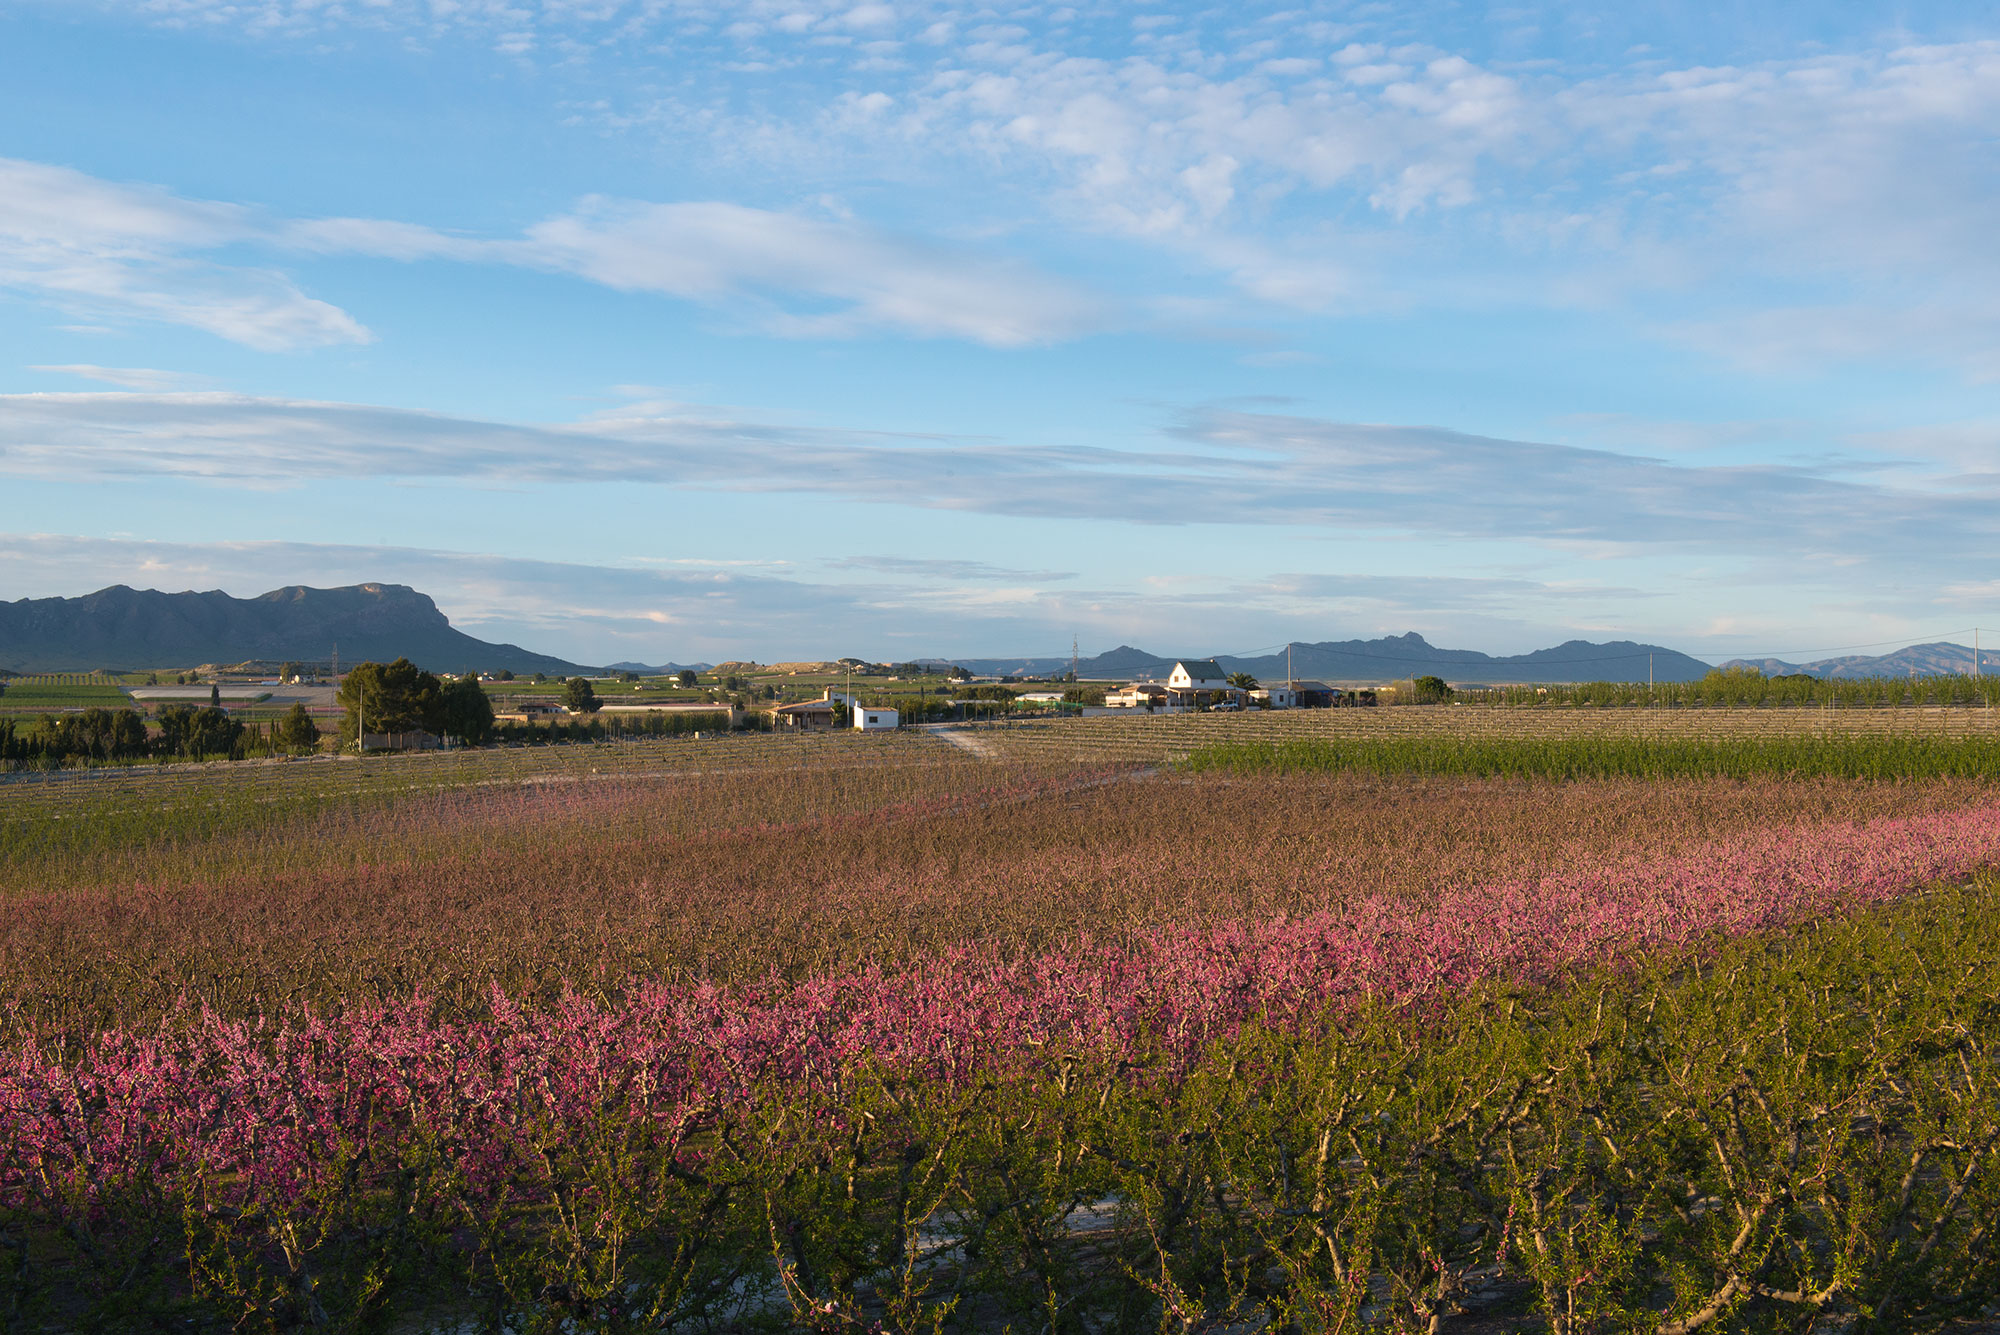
(36, 795)
(1155, 739)
(1140, 740)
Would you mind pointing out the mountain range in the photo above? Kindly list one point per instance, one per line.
(1390, 658)
(1940, 658)
(657, 669)
(125, 629)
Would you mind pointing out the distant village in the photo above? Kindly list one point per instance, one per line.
(1194, 685)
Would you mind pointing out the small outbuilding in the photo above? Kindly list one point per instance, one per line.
(868, 718)
(806, 716)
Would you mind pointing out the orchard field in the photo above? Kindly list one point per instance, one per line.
(1403, 1020)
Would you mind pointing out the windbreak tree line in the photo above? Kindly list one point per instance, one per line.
(185, 733)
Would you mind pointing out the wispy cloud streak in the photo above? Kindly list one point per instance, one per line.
(1213, 467)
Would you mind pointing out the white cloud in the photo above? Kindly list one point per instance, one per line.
(947, 570)
(132, 251)
(1842, 202)
(716, 253)
(125, 377)
(112, 252)
(1340, 480)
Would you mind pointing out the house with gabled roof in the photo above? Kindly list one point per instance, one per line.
(1198, 674)
(1198, 683)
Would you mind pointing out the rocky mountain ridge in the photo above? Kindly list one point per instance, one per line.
(123, 629)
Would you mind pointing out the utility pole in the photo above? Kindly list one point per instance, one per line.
(1649, 674)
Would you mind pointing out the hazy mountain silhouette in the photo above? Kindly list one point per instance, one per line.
(1941, 658)
(125, 628)
(1388, 659)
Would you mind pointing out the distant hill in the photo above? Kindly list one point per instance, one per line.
(1923, 660)
(125, 628)
(656, 669)
(1390, 658)
(1395, 656)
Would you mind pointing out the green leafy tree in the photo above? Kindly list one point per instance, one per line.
(504, 674)
(1242, 681)
(391, 697)
(296, 731)
(96, 734)
(580, 696)
(194, 733)
(1430, 690)
(127, 734)
(215, 695)
(467, 713)
(687, 679)
(290, 670)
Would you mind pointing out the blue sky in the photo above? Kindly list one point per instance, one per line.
(651, 329)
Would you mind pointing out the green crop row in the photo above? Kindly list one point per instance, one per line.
(1611, 755)
(1751, 688)
(36, 695)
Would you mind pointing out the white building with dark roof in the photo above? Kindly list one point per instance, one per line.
(1200, 683)
(1198, 674)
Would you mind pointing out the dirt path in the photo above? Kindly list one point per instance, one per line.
(969, 742)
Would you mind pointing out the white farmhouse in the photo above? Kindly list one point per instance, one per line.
(1199, 682)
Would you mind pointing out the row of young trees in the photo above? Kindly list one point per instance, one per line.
(184, 733)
